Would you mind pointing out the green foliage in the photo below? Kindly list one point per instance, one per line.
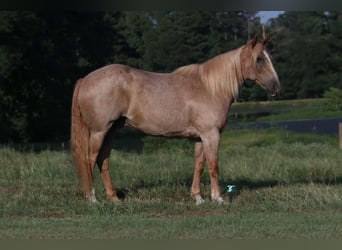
(304, 47)
(179, 38)
(252, 92)
(334, 98)
(43, 56)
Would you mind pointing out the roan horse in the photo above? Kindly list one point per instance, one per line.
(192, 101)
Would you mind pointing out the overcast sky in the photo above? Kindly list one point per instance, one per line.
(265, 15)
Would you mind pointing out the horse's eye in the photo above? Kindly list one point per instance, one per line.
(260, 59)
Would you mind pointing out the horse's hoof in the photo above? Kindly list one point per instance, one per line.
(115, 200)
(199, 201)
(219, 200)
(91, 198)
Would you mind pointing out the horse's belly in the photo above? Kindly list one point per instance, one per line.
(164, 127)
(188, 132)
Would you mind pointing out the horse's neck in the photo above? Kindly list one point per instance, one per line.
(222, 74)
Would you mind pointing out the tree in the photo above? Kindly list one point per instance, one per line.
(42, 56)
(179, 38)
(130, 46)
(232, 29)
(306, 52)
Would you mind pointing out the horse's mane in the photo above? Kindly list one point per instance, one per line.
(221, 75)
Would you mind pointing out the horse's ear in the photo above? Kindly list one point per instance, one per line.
(265, 40)
(253, 42)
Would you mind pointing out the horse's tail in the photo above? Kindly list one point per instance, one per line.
(80, 144)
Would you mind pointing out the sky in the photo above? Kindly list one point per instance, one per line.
(266, 15)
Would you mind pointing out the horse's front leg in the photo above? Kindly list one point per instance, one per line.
(198, 171)
(211, 142)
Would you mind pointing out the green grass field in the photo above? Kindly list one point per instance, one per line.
(289, 186)
(272, 111)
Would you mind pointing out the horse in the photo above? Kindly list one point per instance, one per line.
(193, 101)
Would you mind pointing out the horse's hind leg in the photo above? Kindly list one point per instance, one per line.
(103, 164)
(198, 171)
(95, 144)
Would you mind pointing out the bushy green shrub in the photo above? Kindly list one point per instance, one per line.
(334, 98)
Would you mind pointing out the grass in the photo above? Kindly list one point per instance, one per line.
(288, 187)
(284, 110)
(229, 226)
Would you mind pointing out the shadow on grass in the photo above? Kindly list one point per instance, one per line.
(128, 140)
(239, 185)
(253, 185)
(125, 140)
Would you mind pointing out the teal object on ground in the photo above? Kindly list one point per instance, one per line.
(230, 188)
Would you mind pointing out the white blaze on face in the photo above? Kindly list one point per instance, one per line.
(271, 65)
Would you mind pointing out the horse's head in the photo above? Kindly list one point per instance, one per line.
(257, 66)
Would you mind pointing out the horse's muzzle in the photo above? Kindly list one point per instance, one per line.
(273, 89)
(273, 92)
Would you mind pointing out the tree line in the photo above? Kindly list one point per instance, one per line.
(42, 54)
